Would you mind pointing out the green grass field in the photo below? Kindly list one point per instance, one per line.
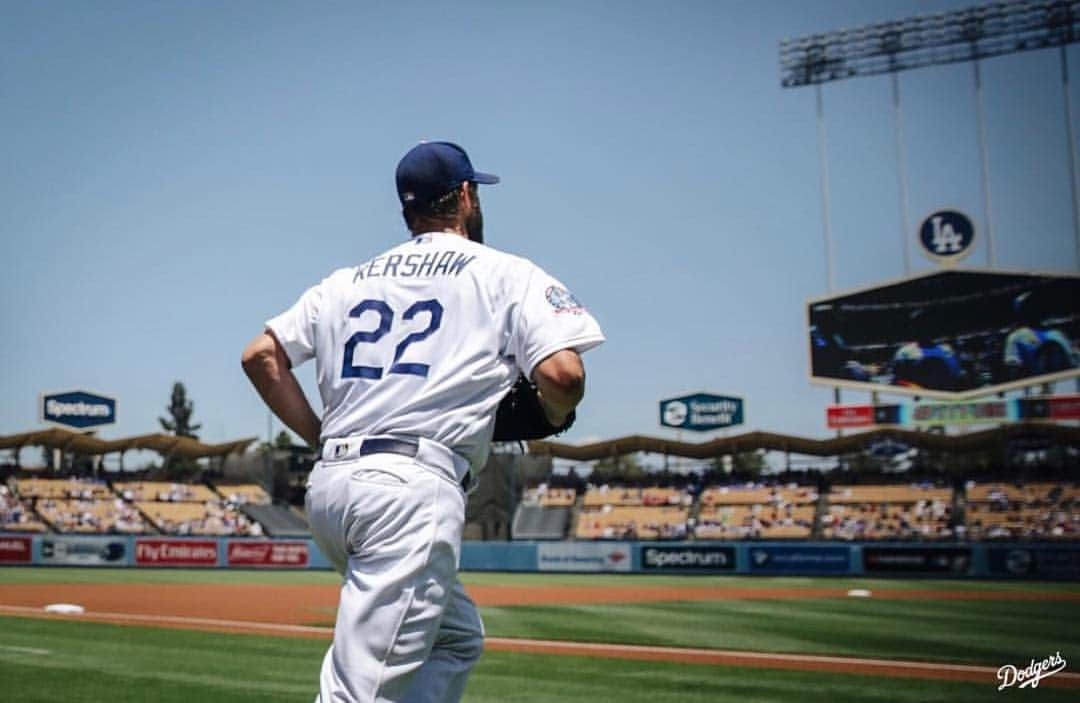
(49, 660)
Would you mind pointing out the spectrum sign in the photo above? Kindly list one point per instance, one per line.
(79, 410)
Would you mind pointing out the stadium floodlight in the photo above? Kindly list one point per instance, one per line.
(948, 37)
(966, 35)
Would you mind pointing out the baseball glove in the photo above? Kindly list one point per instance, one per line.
(520, 415)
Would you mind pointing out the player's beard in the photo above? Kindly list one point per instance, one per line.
(474, 224)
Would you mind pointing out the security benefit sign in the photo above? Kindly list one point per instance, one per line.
(701, 412)
(78, 410)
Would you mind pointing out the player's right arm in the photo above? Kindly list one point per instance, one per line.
(267, 365)
(287, 342)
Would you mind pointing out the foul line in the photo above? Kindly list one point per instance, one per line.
(179, 621)
(24, 650)
(717, 657)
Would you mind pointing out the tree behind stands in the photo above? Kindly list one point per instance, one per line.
(180, 410)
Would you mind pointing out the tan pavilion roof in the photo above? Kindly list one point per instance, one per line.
(57, 438)
(833, 446)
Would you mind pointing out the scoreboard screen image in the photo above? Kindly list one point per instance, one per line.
(949, 334)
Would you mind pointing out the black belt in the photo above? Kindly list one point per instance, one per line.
(388, 445)
(403, 447)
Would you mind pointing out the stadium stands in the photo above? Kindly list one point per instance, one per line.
(888, 512)
(617, 512)
(633, 522)
(164, 492)
(192, 509)
(555, 497)
(1030, 511)
(755, 521)
(62, 488)
(759, 494)
(277, 521)
(745, 511)
(82, 506)
(540, 522)
(210, 518)
(240, 494)
(605, 495)
(915, 511)
(17, 514)
(544, 512)
(92, 516)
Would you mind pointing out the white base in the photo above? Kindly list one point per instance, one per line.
(65, 609)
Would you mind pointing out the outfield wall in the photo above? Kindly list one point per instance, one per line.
(954, 560)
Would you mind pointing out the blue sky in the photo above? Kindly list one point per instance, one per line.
(175, 173)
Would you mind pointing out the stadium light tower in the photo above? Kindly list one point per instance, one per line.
(970, 34)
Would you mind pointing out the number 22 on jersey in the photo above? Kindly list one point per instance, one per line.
(385, 316)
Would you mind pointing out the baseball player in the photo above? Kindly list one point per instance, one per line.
(1032, 349)
(414, 351)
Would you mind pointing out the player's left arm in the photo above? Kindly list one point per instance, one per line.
(267, 365)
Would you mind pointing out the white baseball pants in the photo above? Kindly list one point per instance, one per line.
(406, 631)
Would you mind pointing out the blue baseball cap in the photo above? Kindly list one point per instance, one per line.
(432, 169)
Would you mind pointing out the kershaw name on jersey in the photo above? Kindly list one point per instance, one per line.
(435, 263)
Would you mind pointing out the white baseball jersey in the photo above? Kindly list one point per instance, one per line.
(425, 339)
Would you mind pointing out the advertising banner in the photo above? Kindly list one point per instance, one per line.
(917, 560)
(974, 413)
(1065, 407)
(1040, 562)
(16, 550)
(78, 410)
(945, 413)
(701, 412)
(84, 551)
(800, 559)
(266, 553)
(839, 417)
(672, 558)
(580, 556)
(493, 556)
(176, 552)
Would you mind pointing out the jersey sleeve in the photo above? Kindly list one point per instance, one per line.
(548, 319)
(295, 328)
